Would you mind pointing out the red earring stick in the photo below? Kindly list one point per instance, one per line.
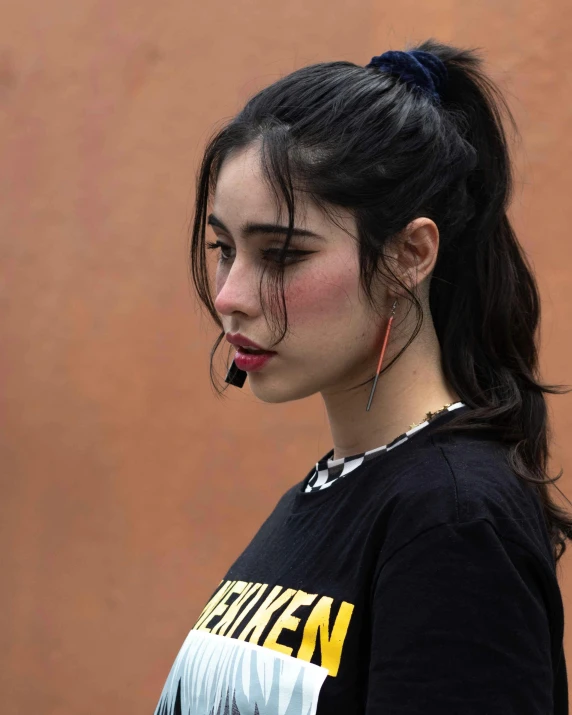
(382, 354)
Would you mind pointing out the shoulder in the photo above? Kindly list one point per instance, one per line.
(456, 478)
(488, 488)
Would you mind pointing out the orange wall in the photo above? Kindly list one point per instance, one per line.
(127, 488)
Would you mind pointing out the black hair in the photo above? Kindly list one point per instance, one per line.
(359, 138)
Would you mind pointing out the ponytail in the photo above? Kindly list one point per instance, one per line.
(484, 299)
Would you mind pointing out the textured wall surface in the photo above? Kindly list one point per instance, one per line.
(127, 489)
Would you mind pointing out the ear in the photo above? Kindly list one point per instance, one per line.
(416, 249)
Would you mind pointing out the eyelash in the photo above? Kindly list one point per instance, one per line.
(266, 253)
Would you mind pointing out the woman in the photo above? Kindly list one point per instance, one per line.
(360, 218)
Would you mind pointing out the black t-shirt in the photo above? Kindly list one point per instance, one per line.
(422, 583)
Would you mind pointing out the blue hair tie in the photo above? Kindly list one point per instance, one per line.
(416, 68)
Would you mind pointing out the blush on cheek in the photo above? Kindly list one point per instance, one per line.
(322, 295)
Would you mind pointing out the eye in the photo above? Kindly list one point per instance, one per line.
(212, 246)
(268, 254)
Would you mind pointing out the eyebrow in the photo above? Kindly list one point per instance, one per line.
(250, 229)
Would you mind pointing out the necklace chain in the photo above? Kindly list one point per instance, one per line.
(430, 415)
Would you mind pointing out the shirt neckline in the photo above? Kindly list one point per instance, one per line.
(328, 473)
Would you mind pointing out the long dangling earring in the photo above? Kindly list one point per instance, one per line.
(382, 353)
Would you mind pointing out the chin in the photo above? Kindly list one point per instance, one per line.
(276, 393)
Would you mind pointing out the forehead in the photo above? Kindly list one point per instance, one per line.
(242, 190)
(242, 193)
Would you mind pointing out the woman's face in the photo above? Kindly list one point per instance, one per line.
(334, 339)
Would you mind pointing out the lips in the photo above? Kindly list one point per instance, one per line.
(251, 361)
(252, 351)
(240, 341)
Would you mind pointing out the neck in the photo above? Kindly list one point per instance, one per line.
(411, 387)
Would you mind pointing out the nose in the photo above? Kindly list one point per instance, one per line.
(237, 290)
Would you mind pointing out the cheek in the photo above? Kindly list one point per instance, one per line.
(319, 295)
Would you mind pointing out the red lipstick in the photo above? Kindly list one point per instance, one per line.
(249, 362)
(244, 342)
